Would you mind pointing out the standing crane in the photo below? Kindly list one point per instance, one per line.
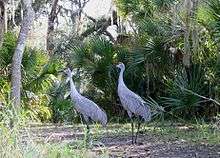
(87, 108)
(132, 103)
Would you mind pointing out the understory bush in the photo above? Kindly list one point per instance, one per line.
(17, 140)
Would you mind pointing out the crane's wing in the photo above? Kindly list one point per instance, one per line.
(92, 110)
(135, 104)
(134, 97)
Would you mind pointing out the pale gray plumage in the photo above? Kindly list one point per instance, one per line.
(84, 106)
(131, 102)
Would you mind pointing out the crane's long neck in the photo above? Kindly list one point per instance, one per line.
(74, 92)
(121, 80)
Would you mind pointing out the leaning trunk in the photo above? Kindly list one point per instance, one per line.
(18, 54)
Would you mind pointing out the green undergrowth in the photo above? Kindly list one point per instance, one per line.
(198, 133)
(14, 145)
(17, 141)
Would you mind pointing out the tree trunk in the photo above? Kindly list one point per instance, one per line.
(6, 18)
(2, 20)
(195, 38)
(50, 30)
(187, 46)
(191, 7)
(18, 54)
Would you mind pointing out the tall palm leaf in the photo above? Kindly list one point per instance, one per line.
(181, 101)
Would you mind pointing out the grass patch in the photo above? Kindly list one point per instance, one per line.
(13, 144)
(196, 133)
(18, 141)
(200, 132)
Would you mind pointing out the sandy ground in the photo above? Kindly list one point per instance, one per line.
(119, 144)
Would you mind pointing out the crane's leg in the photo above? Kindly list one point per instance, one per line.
(132, 130)
(87, 135)
(138, 128)
(132, 125)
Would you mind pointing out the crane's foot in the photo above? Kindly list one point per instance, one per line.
(132, 141)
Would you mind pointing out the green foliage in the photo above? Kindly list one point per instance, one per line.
(62, 109)
(196, 133)
(38, 76)
(214, 13)
(7, 49)
(182, 102)
(18, 141)
(152, 59)
(152, 69)
(164, 4)
(139, 8)
(95, 59)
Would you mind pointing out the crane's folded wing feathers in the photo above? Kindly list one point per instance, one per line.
(135, 104)
(92, 110)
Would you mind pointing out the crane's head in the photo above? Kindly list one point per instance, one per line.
(120, 65)
(69, 74)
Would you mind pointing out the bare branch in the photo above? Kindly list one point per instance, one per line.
(200, 96)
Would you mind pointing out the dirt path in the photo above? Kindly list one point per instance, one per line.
(119, 145)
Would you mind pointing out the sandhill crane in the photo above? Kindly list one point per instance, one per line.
(87, 108)
(132, 103)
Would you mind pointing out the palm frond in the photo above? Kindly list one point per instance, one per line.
(181, 101)
(164, 4)
(214, 13)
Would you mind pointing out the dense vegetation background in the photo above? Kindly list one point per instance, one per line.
(170, 48)
(172, 55)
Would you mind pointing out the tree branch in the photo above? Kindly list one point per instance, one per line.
(200, 96)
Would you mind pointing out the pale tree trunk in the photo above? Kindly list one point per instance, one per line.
(6, 18)
(13, 12)
(81, 5)
(18, 54)
(190, 29)
(51, 22)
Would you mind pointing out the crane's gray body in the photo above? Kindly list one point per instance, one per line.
(131, 102)
(84, 106)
